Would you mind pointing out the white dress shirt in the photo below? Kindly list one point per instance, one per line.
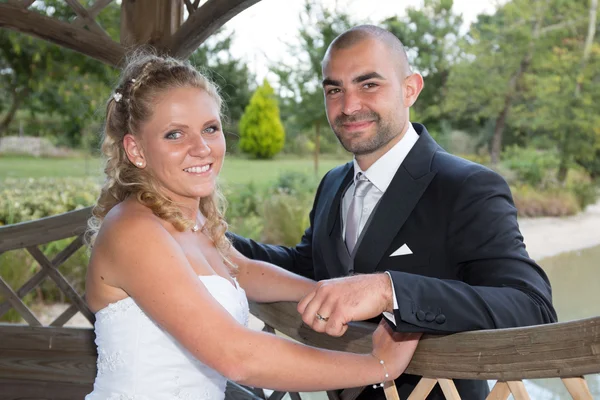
(380, 174)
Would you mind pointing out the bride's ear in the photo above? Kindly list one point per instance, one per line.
(134, 150)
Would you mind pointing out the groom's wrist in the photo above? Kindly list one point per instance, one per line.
(387, 292)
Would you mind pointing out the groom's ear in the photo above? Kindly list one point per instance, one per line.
(413, 84)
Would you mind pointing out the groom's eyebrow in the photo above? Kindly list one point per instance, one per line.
(358, 79)
(366, 77)
(331, 82)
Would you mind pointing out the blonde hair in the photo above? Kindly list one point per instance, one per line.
(145, 77)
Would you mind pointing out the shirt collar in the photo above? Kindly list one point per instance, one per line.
(383, 170)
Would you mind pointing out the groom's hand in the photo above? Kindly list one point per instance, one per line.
(335, 302)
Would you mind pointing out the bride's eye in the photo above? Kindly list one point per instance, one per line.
(173, 135)
(211, 129)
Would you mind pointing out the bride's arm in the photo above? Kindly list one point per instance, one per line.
(149, 265)
(264, 282)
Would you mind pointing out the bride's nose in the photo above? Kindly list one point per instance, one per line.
(200, 147)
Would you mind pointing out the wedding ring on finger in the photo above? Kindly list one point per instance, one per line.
(322, 318)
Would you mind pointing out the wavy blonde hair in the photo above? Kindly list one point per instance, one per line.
(145, 77)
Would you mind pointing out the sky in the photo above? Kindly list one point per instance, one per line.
(262, 31)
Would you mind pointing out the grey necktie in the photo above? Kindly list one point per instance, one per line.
(363, 185)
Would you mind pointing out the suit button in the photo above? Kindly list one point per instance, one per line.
(429, 317)
(440, 319)
(420, 315)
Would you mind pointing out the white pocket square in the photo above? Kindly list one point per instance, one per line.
(402, 251)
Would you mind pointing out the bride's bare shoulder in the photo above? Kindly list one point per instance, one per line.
(127, 223)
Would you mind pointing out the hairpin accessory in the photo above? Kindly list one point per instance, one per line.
(384, 371)
(117, 96)
(132, 80)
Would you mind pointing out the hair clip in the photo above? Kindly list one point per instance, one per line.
(117, 96)
(132, 80)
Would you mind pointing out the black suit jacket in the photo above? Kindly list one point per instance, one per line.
(468, 269)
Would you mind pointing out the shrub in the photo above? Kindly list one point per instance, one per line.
(285, 217)
(531, 202)
(34, 198)
(261, 131)
(582, 186)
(296, 182)
(243, 200)
(532, 166)
(480, 158)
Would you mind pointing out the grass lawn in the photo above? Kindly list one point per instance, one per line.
(235, 169)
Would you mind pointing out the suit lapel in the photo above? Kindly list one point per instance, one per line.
(397, 203)
(334, 210)
(328, 237)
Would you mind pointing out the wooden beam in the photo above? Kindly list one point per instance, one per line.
(93, 12)
(190, 7)
(25, 289)
(517, 388)
(149, 21)
(89, 20)
(61, 33)
(43, 230)
(62, 283)
(199, 26)
(30, 389)
(500, 391)
(578, 388)
(423, 388)
(46, 339)
(65, 317)
(563, 349)
(449, 389)
(18, 304)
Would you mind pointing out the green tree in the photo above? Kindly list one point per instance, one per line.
(231, 75)
(44, 78)
(300, 77)
(261, 130)
(489, 82)
(429, 34)
(563, 107)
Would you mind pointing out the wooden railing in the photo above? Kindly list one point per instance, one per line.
(60, 363)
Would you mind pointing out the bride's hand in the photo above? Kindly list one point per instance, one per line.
(394, 348)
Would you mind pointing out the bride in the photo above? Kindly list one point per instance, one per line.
(169, 292)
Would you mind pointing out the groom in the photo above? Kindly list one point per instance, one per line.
(428, 238)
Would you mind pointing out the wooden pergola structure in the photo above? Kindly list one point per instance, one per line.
(159, 23)
(53, 362)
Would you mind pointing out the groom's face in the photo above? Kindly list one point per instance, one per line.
(364, 96)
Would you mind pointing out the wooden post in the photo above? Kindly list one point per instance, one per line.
(149, 21)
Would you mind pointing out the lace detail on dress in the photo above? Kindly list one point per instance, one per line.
(108, 362)
(120, 396)
(245, 312)
(182, 394)
(115, 309)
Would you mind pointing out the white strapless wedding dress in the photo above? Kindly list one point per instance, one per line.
(138, 360)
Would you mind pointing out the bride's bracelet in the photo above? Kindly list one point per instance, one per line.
(384, 371)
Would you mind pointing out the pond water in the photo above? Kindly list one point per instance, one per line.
(575, 283)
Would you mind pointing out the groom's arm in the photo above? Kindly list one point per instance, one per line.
(499, 286)
(298, 259)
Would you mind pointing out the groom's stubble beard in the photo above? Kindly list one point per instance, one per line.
(384, 133)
